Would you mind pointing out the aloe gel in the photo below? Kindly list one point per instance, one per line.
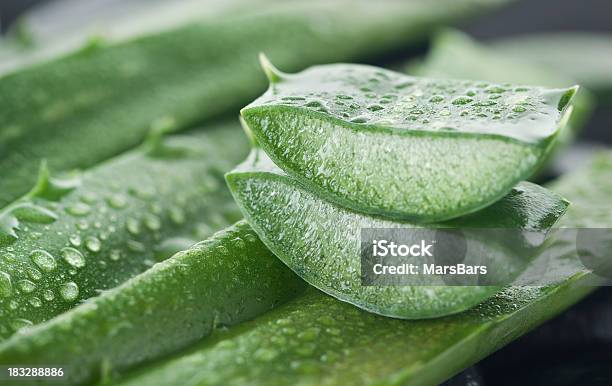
(388, 144)
(316, 340)
(320, 240)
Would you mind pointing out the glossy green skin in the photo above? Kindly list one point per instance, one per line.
(116, 221)
(224, 280)
(417, 149)
(316, 340)
(320, 241)
(589, 190)
(85, 107)
(47, 31)
(584, 56)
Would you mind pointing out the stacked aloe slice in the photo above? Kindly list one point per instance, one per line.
(340, 148)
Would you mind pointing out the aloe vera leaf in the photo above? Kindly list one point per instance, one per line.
(320, 241)
(456, 55)
(60, 26)
(478, 61)
(69, 239)
(51, 29)
(87, 106)
(315, 340)
(419, 149)
(224, 280)
(584, 56)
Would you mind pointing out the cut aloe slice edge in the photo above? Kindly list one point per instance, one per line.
(408, 148)
(320, 241)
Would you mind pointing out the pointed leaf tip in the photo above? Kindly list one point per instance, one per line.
(160, 127)
(52, 189)
(42, 181)
(156, 145)
(567, 97)
(164, 125)
(273, 74)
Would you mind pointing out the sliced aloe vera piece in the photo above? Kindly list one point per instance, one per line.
(226, 279)
(315, 340)
(99, 100)
(320, 241)
(584, 56)
(69, 239)
(385, 143)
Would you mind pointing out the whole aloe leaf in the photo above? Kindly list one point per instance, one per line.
(320, 241)
(69, 239)
(48, 30)
(226, 279)
(315, 340)
(87, 106)
(584, 56)
(385, 143)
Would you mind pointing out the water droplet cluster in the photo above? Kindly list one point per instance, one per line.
(57, 250)
(373, 96)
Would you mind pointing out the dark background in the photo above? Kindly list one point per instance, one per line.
(576, 347)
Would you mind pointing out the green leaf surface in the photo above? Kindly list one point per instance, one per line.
(584, 56)
(70, 238)
(455, 55)
(316, 340)
(48, 30)
(320, 241)
(224, 280)
(475, 60)
(385, 143)
(100, 100)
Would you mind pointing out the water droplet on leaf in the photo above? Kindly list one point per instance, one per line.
(75, 240)
(462, 100)
(117, 201)
(93, 244)
(78, 209)
(43, 259)
(69, 291)
(152, 222)
(26, 286)
(6, 287)
(73, 257)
